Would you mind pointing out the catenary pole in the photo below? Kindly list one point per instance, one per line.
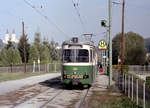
(110, 42)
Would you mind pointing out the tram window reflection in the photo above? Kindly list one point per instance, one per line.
(75, 55)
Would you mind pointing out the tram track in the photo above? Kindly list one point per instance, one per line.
(29, 99)
(51, 99)
(82, 100)
(52, 94)
(43, 96)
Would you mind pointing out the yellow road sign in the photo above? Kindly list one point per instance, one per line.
(102, 45)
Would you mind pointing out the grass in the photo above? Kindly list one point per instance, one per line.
(17, 75)
(109, 99)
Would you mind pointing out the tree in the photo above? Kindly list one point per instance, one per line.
(33, 54)
(135, 50)
(37, 38)
(21, 48)
(45, 42)
(3, 57)
(53, 51)
(17, 57)
(44, 53)
(10, 57)
(10, 44)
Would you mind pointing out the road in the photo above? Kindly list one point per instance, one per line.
(49, 93)
(9, 86)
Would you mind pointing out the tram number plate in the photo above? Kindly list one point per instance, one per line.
(74, 76)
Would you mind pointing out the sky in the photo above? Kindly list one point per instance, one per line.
(58, 20)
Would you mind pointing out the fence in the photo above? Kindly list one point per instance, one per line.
(133, 87)
(49, 67)
(139, 69)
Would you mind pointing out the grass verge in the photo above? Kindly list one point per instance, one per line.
(17, 75)
(109, 99)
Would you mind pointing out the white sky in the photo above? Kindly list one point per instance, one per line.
(63, 14)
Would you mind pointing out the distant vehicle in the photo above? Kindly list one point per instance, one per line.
(79, 62)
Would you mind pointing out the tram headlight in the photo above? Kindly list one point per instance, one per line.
(75, 73)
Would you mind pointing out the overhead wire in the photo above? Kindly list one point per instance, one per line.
(78, 14)
(46, 18)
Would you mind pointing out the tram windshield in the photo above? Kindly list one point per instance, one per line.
(75, 55)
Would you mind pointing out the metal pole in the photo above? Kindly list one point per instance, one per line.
(110, 43)
(129, 86)
(122, 39)
(137, 92)
(132, 89)
(144, 94)
(55, 66)
(24, 47)
(33, 66)
(125, 84)
(39, 67)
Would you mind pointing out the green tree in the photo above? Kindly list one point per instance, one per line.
(3, 57)
(45, 42)
(21, 48)
(37, 39)
(10, 57)
(135, 50)
(10, 44)
(44, 53)
(17, 57)
(52, 50)
(33, 54)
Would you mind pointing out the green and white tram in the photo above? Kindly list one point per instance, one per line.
(79, 62)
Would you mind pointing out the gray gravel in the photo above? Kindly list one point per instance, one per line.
(9, 86)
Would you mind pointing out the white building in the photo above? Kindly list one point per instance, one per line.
(11, 37)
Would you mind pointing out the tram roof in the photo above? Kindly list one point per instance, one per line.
(78, 43)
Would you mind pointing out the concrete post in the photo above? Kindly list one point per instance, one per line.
(144, 94)
(129, 86)
(33, 66)
(137, 92)
(125, 83)
(55, 67)
(132, 90)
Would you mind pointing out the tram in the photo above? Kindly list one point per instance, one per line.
(79, 62)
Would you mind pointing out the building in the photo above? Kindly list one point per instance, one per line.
(11, 37)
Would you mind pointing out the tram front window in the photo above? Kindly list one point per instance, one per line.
(75, 55)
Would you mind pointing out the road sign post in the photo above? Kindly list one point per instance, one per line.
(102, 46)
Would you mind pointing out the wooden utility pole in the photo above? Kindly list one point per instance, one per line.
(24, 46)
(122, 39)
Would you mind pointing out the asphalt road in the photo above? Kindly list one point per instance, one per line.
(9, 86)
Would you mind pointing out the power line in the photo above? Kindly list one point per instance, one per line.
(78, 14)
(46, 18)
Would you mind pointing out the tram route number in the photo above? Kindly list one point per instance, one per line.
(74, 76)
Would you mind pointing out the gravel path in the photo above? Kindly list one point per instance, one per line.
(10, 86)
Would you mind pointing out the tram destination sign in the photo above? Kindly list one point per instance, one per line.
(102, 45)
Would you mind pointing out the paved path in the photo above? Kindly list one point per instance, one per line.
(10, 86)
